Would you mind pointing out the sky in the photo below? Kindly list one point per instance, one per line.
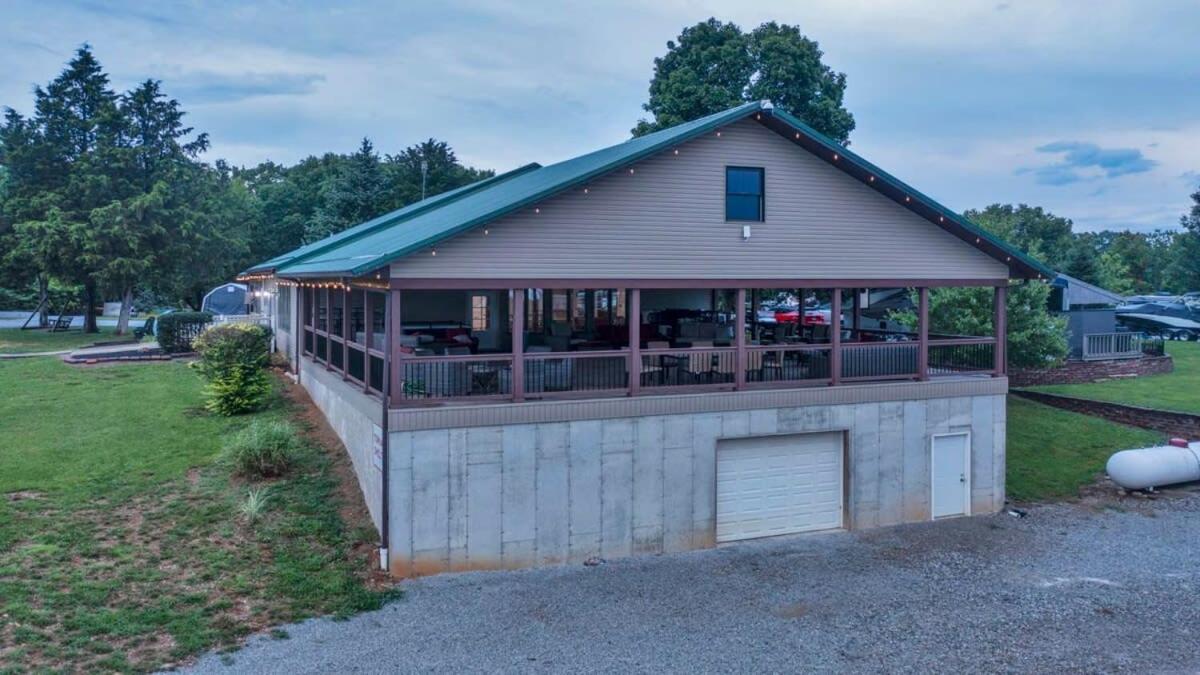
(1089, 108)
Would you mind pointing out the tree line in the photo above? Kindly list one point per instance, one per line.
(104, 195)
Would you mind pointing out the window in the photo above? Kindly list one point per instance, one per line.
(479, 313)
(743, 193)
(283, 307)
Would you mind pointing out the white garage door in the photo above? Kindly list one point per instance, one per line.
(772, 485)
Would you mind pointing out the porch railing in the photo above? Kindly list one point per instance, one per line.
(548, 375)
(1100, 346)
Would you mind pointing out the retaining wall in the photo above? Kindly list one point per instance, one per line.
(1083, 372)
(1180, 424)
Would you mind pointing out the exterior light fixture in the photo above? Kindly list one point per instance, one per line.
(871, 179)
(835, 156)
(907, 199)
(631, 172)
(537, 210)
(485, 231)
(433, 252)
(677, 151)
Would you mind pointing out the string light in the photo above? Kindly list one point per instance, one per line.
(835, 156)
(585, 191)
(536, 210)
(631, 172)
(433, 252)
(872, 179)
(718, 134)
(485, 231)
(907, 199)
(677, 151)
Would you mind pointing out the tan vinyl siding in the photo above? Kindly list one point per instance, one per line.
(667, 221)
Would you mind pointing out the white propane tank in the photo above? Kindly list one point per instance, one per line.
(1153, 467)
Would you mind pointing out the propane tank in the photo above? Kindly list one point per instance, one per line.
(1144, 468)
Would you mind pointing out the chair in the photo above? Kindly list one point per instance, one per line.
(146, 328)
(699, 362)
(726, 367)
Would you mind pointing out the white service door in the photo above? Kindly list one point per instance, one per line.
(951, 474)
(772, 485)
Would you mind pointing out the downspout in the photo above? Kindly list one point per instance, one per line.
(385, 441)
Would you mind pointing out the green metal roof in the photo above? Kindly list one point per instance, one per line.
(377, 243)
(385, 220)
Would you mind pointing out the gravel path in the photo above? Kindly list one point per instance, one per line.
(1108, 587)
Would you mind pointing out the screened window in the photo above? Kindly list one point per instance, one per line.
(743, 193)
(479, 313)
(284, 306)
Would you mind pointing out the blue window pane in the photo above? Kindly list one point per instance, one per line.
(743, 181)
(742, 207)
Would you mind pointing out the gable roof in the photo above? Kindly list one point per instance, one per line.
(392, 218)
(378, 242)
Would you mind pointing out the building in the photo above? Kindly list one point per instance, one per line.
(564, 362)
(1091, 314)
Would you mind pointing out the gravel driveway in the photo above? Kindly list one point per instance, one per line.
(1099, 587)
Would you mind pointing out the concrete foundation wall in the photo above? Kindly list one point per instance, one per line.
(355, 418)
(519, 495)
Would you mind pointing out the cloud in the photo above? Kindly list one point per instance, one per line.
(1087, 161)
(208, 87)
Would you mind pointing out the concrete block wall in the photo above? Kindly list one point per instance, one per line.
(520, 495)
(353, 416)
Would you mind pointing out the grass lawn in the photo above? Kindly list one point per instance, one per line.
(121, 547)
(1053, 452)
(17, 341)
(1179, 390)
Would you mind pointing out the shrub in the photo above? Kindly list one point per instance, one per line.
(177, 330)
(254, 505)
(263, 450)
(232, 359)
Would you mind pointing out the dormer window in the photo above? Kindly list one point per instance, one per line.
(744, 194)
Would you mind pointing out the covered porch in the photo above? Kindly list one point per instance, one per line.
(474, 342)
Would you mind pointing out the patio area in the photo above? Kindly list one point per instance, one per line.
(463, 345)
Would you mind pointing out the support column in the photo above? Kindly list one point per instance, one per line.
(739, 335)
(328, 328)
(394, 374)
(633, 316)
(923, 334)
(368, 333)
(518, 344)
(835, 335)
(345, 334)
(1000, 328)
(855, 322)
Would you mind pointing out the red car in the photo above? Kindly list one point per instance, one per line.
(815, 316)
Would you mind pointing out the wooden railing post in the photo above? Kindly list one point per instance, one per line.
(835, 335)
(923, 333)
(634, 318)
(1000, 328)
(739, 377)
(394, 328)
(518, 344)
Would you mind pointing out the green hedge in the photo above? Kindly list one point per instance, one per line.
(233, 358)
(177, 330)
